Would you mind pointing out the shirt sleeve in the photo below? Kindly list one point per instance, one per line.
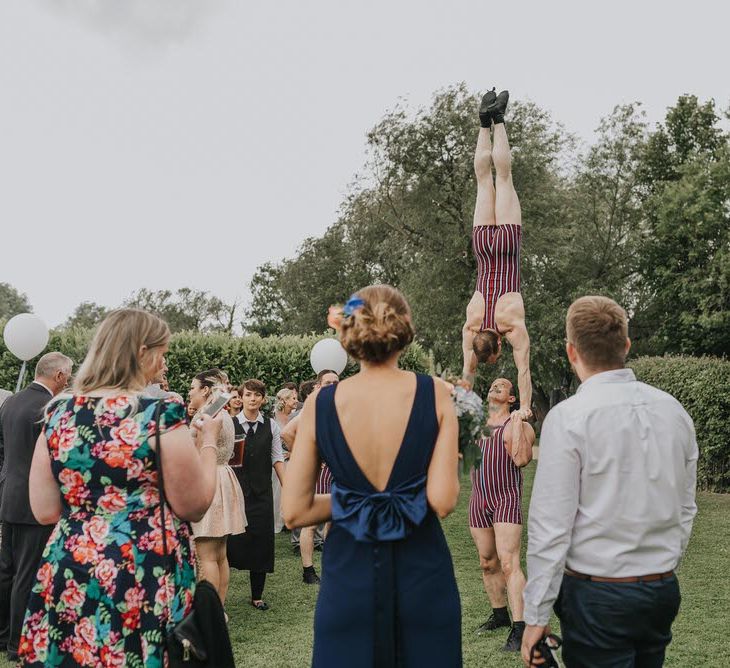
(277, 451)
(172, 415)
(689, 506)
(553, 508)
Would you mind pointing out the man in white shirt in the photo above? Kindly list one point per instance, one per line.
(612, 505)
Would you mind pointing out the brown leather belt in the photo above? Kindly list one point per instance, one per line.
(653, 577)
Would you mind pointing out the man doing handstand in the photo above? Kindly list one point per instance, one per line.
(496, 309)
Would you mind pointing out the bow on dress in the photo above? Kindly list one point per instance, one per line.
(382, 518)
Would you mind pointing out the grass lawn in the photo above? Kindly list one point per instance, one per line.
(282, 637)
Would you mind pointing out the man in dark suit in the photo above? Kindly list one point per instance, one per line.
(23, 539)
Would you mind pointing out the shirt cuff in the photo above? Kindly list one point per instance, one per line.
(537, 615)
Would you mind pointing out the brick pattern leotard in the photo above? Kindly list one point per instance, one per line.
(324, 481)
(496, 492)
(497, 252)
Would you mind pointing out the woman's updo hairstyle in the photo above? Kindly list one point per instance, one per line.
(214, 379)
(379, 327)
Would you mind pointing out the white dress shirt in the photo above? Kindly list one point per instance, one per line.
(277, 451)
(614, 492)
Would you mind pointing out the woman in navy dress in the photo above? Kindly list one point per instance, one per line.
(388, 596)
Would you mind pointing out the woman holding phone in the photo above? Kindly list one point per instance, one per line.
(226, 515)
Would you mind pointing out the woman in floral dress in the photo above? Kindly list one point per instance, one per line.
(105, 593)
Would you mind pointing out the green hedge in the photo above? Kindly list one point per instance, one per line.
(274, 360)
(702, 385)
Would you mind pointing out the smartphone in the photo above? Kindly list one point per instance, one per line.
(218, 404)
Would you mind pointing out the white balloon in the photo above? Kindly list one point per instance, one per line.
(328, 354)
(26, 336)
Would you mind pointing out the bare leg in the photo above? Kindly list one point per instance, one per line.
(207, 549)
(492, 575)
(507, 205)
(484, 207)
(508, 537)
(306, 546)
(223, 569)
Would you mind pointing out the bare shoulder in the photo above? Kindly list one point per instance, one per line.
(443, 392)
(442, 388)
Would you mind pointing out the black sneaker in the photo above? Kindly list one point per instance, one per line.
(485, 117)
(492, 624)
(498, 107)
(514, 639)
(310, 577)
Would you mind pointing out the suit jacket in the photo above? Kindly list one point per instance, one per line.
(21, 419)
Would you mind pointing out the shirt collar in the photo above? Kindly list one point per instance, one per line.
(243, 419)
(612, 376)
(45, 387)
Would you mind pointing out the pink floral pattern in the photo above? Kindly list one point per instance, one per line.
(104, 593)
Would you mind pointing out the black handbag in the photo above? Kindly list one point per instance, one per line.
(201, 639)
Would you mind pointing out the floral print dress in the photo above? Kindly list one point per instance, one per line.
(104, 590)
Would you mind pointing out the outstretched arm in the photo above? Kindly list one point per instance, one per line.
(520, 438)
(474, 317)
(470, 359)
(520, 341)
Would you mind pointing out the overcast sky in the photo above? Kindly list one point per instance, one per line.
(171, 143)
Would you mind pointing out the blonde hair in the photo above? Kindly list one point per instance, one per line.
(113, 358)
(598, 328)
(282, 396)
(381, 327)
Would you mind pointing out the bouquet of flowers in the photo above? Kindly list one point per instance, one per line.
(470, 411)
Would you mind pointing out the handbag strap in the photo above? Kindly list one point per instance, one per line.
(163, 503)
(160, 478)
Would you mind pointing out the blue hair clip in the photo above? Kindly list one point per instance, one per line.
(353, 304)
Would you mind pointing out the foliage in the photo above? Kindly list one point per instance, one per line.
(470, 413)
(72, 342)
(12, 302)
(702, 386)
(274, 360)
(86, 315)
(187, 309)
(686, 253)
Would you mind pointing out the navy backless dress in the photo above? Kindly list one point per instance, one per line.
(388, 596)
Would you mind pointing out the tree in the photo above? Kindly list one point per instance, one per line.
(265, 314)
(86, 316)
(186, 309)
(684, 252)
(621, 218)
(12, 302)
(686, 260)
(408, 221)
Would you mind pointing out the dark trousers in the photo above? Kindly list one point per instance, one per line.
(616, 625)
(20, 552)
(258, 580)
